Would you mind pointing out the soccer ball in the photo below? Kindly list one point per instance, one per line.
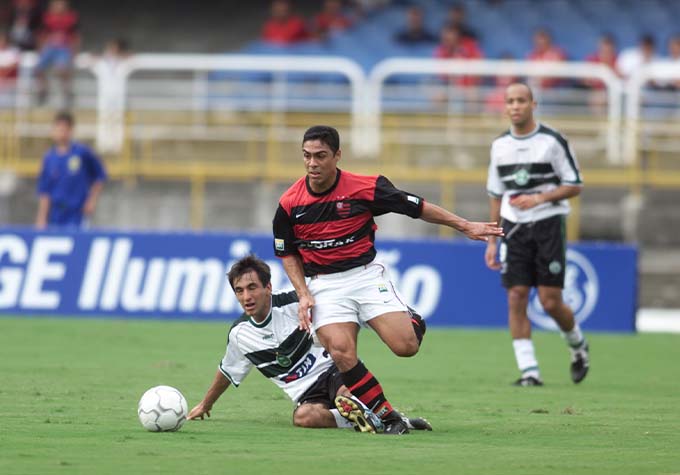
(162, 409)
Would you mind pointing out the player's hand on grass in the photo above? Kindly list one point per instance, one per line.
(490, 255)
(199, 412)
(306, 302)
(481, 231)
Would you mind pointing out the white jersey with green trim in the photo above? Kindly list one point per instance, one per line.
(534, 163)
(282, 352)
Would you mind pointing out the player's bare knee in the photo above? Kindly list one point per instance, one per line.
(518, 297)
(405, 348)
(303, 416)
(551, 304)
(345, 357)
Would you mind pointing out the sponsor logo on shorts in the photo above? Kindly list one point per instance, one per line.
(581, 291)
(279, 244)
(382, 288)
(413, 199)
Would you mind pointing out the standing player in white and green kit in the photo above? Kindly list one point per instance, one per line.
(532, 174)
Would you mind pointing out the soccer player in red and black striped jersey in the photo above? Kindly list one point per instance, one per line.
(324, 232)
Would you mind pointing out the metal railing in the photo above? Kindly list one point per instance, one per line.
(148, 100)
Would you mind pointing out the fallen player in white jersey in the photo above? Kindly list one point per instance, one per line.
(268, 338)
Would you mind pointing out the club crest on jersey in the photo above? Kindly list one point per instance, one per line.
(343, 208)
(73, 163)
(521, 177)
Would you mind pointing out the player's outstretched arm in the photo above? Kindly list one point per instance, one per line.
(292, 264)
(218, 386)
(477, 231)
(491, 246)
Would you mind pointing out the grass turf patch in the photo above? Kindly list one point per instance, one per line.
(69, 390)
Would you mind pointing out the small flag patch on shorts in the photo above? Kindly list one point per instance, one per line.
(279, 244)
(382, 288)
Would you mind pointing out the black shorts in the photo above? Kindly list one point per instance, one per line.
(324, 390)
(534, 254)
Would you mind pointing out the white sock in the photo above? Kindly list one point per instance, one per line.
(526, 358)
(574, 337)
(341, 422)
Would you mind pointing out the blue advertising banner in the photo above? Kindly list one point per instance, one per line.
(182, 275)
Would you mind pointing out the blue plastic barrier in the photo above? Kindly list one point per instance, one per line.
(182, 275)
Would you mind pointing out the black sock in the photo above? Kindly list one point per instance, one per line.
(364, 386)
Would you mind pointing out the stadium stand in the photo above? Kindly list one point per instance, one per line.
(243, 127)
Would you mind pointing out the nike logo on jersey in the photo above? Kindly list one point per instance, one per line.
(297, 215)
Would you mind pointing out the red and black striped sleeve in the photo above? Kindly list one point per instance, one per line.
(389, 199)
(284, 236)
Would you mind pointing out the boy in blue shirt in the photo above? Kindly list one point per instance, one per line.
(71, 179)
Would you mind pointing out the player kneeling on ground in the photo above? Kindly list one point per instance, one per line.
(267, 337)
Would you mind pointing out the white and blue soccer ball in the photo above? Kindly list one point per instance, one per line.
(162, 409)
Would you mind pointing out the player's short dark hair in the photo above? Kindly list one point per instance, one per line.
(247, 264)
(325, 134)
(520, 83)
(64, 116)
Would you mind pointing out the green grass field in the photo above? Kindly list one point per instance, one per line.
(69, 391)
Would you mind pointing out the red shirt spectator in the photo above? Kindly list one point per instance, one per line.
(331, 18)
(495, 100)
(605, 54)
(544, 50)
(454, 46)
(283, 27)
(9, 61)
(60, 25)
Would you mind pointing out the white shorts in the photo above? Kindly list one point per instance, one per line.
(356, 295)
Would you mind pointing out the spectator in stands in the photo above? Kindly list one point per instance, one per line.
(23, 25)
(9, 61)
(455, 17)
(283, 26)
(9, 66)
(495, 99)
(71, 179)
(59, 42)
(674, 55)
(631, 59)
(544, 50)
(605, 54)
(330, 18)
(415, 32)
(452, 46)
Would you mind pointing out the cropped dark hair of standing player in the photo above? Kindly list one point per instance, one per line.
(325, 134)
